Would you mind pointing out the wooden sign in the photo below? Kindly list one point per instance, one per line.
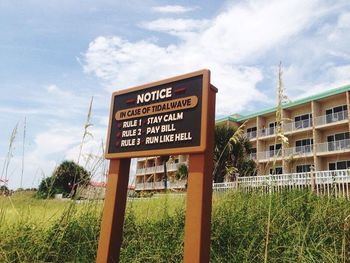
(161, 118)
(172, 116)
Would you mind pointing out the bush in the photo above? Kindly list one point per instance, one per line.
(65, 180)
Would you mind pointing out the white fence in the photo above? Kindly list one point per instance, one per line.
(330, 183)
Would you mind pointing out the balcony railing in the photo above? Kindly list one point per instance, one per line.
(251, 135)
(159, 185)
(299, 150)
(269, 154)
(333, 146)
(330, 118)
(298, 125)
(159, 168)
(267, 131)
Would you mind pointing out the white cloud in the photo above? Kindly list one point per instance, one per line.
(227, 46)
(178, 27)
(174, 9)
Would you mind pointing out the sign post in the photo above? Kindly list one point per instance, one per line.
(172, 116)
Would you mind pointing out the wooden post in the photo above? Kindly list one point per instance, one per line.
(113, 212)
(199, 196)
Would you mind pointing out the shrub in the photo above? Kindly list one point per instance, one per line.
(65, 180)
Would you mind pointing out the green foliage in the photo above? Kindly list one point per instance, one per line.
(231, 154)
(4, 190)
(304, 228)
(64, 180)
(182, 172)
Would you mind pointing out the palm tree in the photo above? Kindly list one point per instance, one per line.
(231, 154)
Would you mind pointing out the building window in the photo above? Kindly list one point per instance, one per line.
(275, 150)
(251, 132)
(338, 141)
(271, 129)
(341, 165)
(338, 113)
(304, 145)
(304, 168)
(278, 170)
(303, 121)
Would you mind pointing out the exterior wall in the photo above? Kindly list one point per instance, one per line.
(299, 136)
(250, 123)
(300, 110)
(333, 130)
(265, 144)
(301, 161)
(268, 119)
(331, 102)
(335, 158)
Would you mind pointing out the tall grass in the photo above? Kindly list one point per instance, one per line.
(303, 228)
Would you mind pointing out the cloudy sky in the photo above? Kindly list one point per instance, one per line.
(55, 55)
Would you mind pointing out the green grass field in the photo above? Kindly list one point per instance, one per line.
(303, 228)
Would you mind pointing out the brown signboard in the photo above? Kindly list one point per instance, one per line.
(160, 118)
(172, 116)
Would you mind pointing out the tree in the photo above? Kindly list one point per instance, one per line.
(4, 190)
(64, 180)
(231, 154)
(182, 172)
(221, 151)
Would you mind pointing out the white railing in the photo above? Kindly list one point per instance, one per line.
(298, 125)
(267, 131)
(269, 154)
(251, 135)
(150, 186)
(159, 168)
(333, 146)
(330, 183)
(299, 150)
(330, 118)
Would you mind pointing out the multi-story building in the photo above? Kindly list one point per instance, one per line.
(150, 173)
(317, 129)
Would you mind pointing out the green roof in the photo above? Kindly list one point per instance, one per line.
(288, 105)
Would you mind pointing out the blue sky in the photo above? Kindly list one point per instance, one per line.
(55, 55)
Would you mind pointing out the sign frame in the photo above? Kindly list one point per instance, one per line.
(168, 151)
(199, 187)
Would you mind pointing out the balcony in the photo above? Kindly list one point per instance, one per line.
(251, 135)
(270, 155)
(297, 126)
(267, 132)
(299, 151)
(153, 186)
(335, 146)
(159, 168)
(331, 118)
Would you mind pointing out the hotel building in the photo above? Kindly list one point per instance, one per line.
(317, 129)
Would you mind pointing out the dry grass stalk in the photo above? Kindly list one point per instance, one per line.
(23, 146)
(9, 155)
(86, 129)
(279, 138)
